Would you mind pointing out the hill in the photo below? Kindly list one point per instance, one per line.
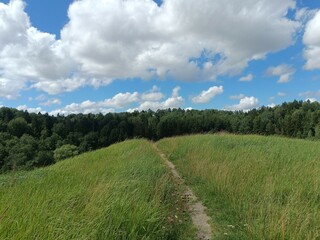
(254, 187)
(121, 192)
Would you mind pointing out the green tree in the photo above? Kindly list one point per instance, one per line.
(65, 151)
(90, 142)
(21, 152)
(18, 126)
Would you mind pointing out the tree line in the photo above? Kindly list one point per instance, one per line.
(29, 140)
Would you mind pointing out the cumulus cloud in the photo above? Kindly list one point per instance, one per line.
(311, 39)
(207, 95)
(26, 54)
(141, 43)
(153, 95)
(121, 100)
(147, 41)
(30, 110)
(54, 87)
(85, 107)
(245, 104)
(247, 78)
(10, 89)
(145, 101)
(283, 71)
(303, 15)
(175, 101)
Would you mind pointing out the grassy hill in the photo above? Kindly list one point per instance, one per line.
(254, 187)
(121, 192)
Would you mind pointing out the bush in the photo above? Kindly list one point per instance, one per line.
(65, 151)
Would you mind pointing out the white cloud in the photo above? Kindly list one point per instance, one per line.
(305, 14)
(152, 95)
(141, 40)
(69, 84)
(311, 39)
(9, 88)
(247, 78)
(206, 96)
(146, 41)
(281, 94)
(283, 71)
(85, 107)
(311, 100)
(26, 54)
(121, 100)
(145, 101)
(237, 96)
(272, 105)
(245, 104)
(30, 110)
(175, 101)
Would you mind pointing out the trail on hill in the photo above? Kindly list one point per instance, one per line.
(196, 209)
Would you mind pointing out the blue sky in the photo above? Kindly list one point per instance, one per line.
(114, 56)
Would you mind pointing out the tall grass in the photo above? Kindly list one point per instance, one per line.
(122, 192)
(254, 187)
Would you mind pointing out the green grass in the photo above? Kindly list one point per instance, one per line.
(254, 187)
(121, 192)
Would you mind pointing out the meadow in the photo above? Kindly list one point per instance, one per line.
(255, 187)
(120, 192)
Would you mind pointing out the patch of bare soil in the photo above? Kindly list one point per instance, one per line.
(196, 209)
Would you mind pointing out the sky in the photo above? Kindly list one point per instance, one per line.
(91, 56)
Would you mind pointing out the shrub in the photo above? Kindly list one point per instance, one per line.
(65, 151)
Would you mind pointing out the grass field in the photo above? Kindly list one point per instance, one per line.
(121, 192)
(254, 187)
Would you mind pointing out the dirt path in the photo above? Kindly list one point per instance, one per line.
(197, 211)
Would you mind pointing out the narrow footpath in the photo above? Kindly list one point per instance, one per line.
(196, 209)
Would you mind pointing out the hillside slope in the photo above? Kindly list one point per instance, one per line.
(254, 187)
(121, 192)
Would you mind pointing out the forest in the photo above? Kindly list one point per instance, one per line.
(30, 140)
